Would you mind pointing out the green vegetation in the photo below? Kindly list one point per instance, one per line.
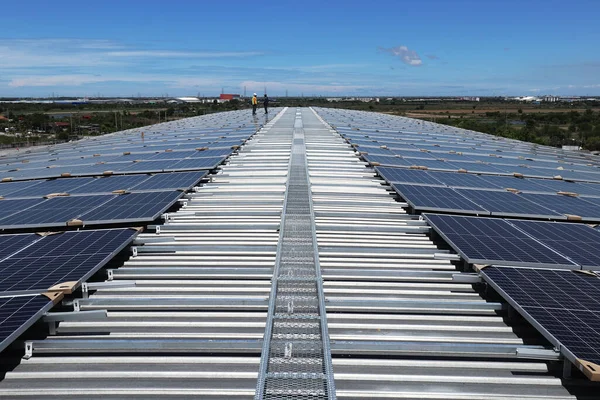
(553, 124)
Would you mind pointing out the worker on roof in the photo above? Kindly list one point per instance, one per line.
(266, 103)
(254, 104)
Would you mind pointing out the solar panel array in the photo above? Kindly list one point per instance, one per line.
(411, 152)
(126, 177)
(454, 171)
(199, 143)
(55, 259)
(563, 305)
(513, 242)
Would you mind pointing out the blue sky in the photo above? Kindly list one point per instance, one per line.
(326, 47)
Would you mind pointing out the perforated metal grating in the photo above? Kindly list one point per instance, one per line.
(296, 361)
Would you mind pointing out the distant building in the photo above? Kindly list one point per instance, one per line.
(227, 97)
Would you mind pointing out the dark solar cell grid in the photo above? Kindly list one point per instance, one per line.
(55, 211)
(461, 180)
(566, 304)
(388, 161)
(66, 257)
(505, 203)
(490, 240)
(578, 242)
(195, 164)
(170, 181)
(149, 166)
(17, 314)
(483, 168)
(64, 185)
(565, 205)
(10, 244)
(406, 175)
(436, 198)
(167, 155)
(110, 184)
(505, 182)
(9, 207)
(132, 206)
(7, 188)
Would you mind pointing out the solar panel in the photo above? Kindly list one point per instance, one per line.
(563, 305)
(62, 185)
(405, 175)
(9, 207)
(53, 212)
(7, 188)
(492, 240)
(578, 242)
(132, 207)
(461, 180)
(511, 182)
(18, 313)
(110, 183)
(195, 164)
(387, 161)
(60, 258)
(145, 166)
(167, 155)
(566, 205)
(507, 203)
(172, 181)
(10, 244)
(437, 198)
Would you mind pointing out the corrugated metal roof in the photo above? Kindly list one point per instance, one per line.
(186, 315)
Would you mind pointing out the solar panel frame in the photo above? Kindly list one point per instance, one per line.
(19, 313)
(508, 204)
(128, 208)
(405, 175)
(423, 197)
(108, 184)
(578, 242)
(170, 181)
(72, 256)
(53, 212)
(553, 328)
(10, 244)
(509, 246)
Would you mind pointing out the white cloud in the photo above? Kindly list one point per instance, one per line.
(409, 57)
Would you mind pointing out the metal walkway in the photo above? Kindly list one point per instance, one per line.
(294, 240)
(296, 361)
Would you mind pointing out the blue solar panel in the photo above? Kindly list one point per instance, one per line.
(578, 242)
(461, 180)
(387, 161)
(53, 212)
(146, 166)
(7, 188)
(476, 167)
(62, 185)
(132, 207)
(492, 240)
(563, 305)
(172, 181)
(432, 164)
(511, 182)
(110, 184)
(405, 175)
(195, 164)
(566, 205)
(19, 313)
(506, 203)
(9, 207)
(167, 155)
(60, 258)
(10, 244)
(436, 198)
